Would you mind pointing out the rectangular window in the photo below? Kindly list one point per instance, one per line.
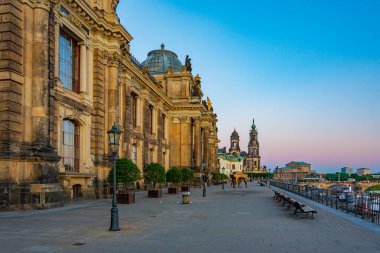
(69, 62)
(134, 154)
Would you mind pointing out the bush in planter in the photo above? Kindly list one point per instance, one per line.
(187, 177)
(174, 176)
(154, 173)
(126, 172)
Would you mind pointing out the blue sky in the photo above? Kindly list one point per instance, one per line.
(307, 71)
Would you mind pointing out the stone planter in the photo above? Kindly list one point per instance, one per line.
(173, 190)
(155, 193)
(126, 198)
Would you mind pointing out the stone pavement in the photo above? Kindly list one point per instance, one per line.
(233, 220)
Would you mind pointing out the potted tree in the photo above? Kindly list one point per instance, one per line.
(127, 173)
(173, 176)
(154, 173)
(187, 177)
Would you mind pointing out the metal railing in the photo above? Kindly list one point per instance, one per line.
(362, 205)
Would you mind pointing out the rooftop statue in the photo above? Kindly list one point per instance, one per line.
(188, 63)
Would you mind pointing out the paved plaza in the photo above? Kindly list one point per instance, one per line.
(230, 220)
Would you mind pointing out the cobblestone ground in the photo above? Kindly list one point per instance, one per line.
(230, 220)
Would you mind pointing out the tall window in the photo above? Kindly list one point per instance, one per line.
(134, 109)
(134, 154)
(70, 146)
(68, 62)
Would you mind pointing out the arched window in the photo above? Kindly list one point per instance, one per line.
(70, 145)
(233, 166)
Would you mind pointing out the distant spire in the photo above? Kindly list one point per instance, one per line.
(162, 46)
(253, 127)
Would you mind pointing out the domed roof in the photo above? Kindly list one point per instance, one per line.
(159, 61)
(235, 135)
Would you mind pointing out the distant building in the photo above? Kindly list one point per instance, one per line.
(346, 170)
(313, 176)
(229, 163)
(363, 171)
(292, 171)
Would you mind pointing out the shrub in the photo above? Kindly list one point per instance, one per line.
(154, 173)
(187, 175)
(174, 175)
(126, 172)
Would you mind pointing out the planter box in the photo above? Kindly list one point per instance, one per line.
(173, 190)
(126, 198)
(185, 188)
(155, 193)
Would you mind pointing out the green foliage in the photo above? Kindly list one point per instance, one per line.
(174, 175)
(217, 176)
(126, 172)
(344, 177)
(374, 188)
(337, 177)
(187, 175)
(154, 173)
(260, 175)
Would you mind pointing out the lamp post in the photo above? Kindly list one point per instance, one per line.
(223, 178)
(113, 138)
(268, 177)
(204, 179)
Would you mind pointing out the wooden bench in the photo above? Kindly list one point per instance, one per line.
(301, 208)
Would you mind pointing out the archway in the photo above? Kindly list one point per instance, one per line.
(77, 191)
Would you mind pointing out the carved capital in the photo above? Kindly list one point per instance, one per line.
(112, 58)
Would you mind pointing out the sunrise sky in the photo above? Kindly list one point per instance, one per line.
(307, 71)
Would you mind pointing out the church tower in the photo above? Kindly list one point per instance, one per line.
(234, 146)
(253, 157)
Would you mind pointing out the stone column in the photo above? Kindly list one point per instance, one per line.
(83, 68)
(197, 143)
(90, 73)
(206, 136)
(40, 63)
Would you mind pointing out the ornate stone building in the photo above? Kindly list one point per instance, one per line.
(253, 157)
(66, 76)
(292, 171)
(234, 144)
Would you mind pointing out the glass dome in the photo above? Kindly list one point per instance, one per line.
(159, 61)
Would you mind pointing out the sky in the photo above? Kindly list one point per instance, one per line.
(308, 72)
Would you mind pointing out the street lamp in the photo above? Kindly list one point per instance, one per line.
(204, 179)
(223, 178)
(268, 177)
(113, 139)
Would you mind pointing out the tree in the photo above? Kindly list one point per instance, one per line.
(187, 175)
(126, 172)
(217, 176)
(174, 175)
(154, 173)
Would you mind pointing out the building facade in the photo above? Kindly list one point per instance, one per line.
(347, 170)
(67, 75)
(363, 171)
(229, 163)
(253, 157)
(292, 171)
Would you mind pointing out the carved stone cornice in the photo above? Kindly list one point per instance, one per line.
(40, 4)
